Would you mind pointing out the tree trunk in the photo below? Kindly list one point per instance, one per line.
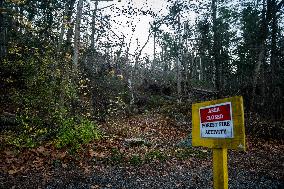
(216, 48)
(71, 4)
(154, 59)
(62, 30)
(77, 34)
(261, 55)
(3, 32)
(178, 64)
(274, 30)
(94, 26)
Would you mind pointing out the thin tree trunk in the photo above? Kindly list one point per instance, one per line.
(215, 48)
(140, 51)
(3, 33)
(178, 64)
(261, 55)
(69, 34)
(62, 30)
(185, 88)
(274, 29)
(77, 34)
(256, 73)
(94, 26)
(154, 60)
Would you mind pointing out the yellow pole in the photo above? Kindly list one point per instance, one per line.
(220, 168)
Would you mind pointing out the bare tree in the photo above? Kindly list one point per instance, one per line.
(178, 62)
(77, 33)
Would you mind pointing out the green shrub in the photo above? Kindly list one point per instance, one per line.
(155, 101)
(116, 156)
(30, 136)
(186, 153)
(74, 134)
(155, 155)
(23, 141)
(135, 160)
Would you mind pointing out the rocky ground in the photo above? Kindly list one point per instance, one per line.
(143, 151)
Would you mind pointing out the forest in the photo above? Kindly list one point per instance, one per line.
(99, 93)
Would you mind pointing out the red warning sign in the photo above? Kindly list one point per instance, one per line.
(216, 113)
(216, 121)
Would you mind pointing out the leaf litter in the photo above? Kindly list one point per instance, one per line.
(159, 159)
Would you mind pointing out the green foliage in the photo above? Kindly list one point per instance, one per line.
(110, 97)
(116, 156)
(156, 101)
(56, 163)
(155, 155)
(30, 136)
(74, 133)
(44, 95)
(116, 106)
(135, 160)
(186, 153)
(23, 141)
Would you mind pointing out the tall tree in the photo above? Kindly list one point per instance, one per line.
(269, 7)
(77, 33)
(3, 31)
(216, 47)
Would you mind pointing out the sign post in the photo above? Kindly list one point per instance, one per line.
(219, 124)
(220, 168)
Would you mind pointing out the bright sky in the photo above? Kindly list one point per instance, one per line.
(140, 21)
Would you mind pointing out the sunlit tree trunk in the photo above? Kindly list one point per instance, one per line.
(94, 26)
(77, 33)
(69, 23)
(63, 26)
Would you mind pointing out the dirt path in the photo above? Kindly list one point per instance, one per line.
(156, 163)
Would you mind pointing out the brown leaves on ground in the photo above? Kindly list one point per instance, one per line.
(162, 134)
(159, 131)
(155, 128)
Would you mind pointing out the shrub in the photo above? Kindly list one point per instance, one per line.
(186, 153)
(155, 155)
(116, 156)
(75, 133)
(135, 160)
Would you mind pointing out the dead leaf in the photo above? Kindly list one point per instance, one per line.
(91, 152)
(100, 155)
(9, 153)
(87, 169)
(41, 149)
(61, 155)
(64, 165)
(95, 186)
(12, 171)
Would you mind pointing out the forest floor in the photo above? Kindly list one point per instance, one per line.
(141, 151)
